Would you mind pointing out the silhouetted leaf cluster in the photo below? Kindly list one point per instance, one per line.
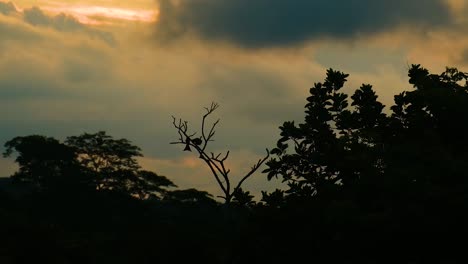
(362, 180)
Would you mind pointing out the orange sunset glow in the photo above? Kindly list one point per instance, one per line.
(89, 14)
(98, 12)
(233, 131)
(85, 69)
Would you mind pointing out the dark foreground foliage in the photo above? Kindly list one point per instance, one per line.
(361, 186)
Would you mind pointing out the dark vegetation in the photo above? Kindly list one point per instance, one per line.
(360, 186)
(216, 163)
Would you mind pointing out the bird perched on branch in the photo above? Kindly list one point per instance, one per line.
(187, 144)
(197, 141)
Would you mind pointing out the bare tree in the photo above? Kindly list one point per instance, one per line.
(216, 162)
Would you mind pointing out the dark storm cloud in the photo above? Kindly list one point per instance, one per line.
(266, 23)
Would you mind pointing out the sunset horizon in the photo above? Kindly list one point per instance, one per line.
(126, 67)
(233, 131)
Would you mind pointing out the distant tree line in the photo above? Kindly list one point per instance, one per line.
(89, 162)
(362, 184)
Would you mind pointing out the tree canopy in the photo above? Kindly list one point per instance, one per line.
(354, 149)
(96, 161)
(43, 161)
(362, 183)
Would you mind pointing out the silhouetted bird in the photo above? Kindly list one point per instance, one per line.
(197, 141)
(187, 144)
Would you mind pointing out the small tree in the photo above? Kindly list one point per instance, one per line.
(216, 162)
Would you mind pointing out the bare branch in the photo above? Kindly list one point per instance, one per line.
(225, 157)
(208, 138)
(215, 174)
(226, 177)
(253, 170)
(216, 163)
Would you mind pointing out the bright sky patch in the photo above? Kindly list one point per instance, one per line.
(89, 14)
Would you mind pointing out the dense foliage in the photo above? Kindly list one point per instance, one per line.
(363, 184)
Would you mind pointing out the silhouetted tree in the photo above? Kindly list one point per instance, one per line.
(216, 163)
(315, 163)
(427, 150)
(95, 161)
(388, 176)
(148, 184)
(190, 196)
(43, 162)
(363, 186)
(361, 152)
(113, 164)
(105, 156)
(243, 198)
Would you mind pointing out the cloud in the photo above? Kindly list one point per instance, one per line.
(63, 22)
(463, 59)
(7, 8)
(58, 79)
(46, 63)
(269, 23)
(36, 17)
(93, 14)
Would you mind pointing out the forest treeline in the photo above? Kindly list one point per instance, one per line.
(361, 184)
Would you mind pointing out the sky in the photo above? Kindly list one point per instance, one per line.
(127, 66)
